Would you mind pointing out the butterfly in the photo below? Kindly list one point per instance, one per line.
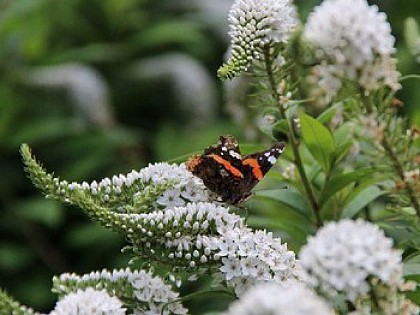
(227, 173)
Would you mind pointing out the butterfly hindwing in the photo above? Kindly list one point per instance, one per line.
(263, 161)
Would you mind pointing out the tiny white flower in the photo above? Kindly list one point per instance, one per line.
(171, 198)
(231, 268)
(249, 266)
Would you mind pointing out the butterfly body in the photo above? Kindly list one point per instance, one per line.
(229, 174)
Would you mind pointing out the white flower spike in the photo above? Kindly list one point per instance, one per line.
(254, 25)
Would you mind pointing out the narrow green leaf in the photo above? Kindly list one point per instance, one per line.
(87, 234)
(14, 256)
(326, 115)
(289, 230)
(342, 135)
(39, 210)
(358, 202)
(291, 198)
(340, 181)
(412, 266)
(318, 139)
(411, 33)
(342, 151)
(281, 126)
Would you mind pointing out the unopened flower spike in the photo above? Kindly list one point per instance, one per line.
(156, 187)
(253, 26)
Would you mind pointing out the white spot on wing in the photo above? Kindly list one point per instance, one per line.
(224, 149)
(235, 154)
(272, 160)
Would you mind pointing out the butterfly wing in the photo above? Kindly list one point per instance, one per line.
(219, 168)
(262, 162)
(228, 174)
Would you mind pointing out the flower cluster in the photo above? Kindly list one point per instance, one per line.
(344, 257)
(356, 41)
(157, 186)
(150, 294)
(176, 235)
(272, 299)
(253, 257)
(89, 302)
(255, 25)
(188, 189)
(158, 230)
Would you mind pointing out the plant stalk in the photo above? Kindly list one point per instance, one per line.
(292, 138)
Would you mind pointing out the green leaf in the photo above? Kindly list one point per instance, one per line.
(169, 32)
(290, 230)
(342, 135)
(319, 140)
(88, 234)
(412, 266)
(43, 211)
(291, 198)
(14, 256)
(412, 33)
(340, 181)
(327, 115)
(281, 126)
(360, 200)
(342, 151)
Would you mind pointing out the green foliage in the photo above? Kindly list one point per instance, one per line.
(318, 140)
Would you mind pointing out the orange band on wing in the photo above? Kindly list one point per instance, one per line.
(226, 164)
(256, 169)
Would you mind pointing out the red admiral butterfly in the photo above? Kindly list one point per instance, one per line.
(229, 174)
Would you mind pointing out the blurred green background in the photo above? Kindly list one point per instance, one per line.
(101, 87)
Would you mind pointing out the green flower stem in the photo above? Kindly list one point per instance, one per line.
(292, 138)
(398, 168)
